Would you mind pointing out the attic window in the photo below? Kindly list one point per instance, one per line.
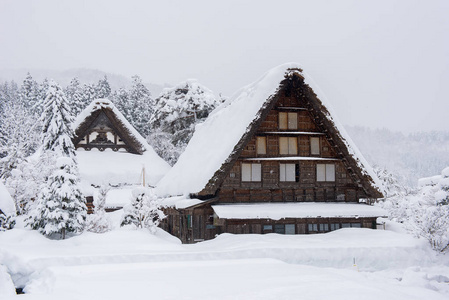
(251, 172)
(261, 145)
(288, 145)
(288, 120)
(315, 146)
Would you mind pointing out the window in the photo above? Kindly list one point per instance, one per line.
(290, 229)
(251, 172)
(335, 226)
(279, 228)
(315, 146)
(289, 172)
(312, 227)
(261, 144)
(288, 145)
(282, 228)
(324, 227)
(189, 221)
(267, 227)
(288, 120)
(325, 172)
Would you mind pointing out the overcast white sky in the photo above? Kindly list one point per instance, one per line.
(380, 63)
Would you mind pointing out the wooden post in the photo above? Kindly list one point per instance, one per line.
(143, 175)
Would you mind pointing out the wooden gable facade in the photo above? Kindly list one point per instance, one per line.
(103, 129)
(291, 153)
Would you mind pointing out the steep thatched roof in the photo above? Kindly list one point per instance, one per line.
(202, 168)
(129, 135)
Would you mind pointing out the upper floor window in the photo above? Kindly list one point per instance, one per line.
(261, 145)
(288, 120)
(314, 145)
(288, 145)
(251, 172)
(325, 172)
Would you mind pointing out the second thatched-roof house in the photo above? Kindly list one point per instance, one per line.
(111, 151)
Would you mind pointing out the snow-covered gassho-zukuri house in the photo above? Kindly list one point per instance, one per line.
(110, 151)
(270, 159)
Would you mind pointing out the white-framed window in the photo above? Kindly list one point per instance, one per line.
(314, 145)
(288, 145)
(261, 145)
(251, 172)
(288, 120)
(289, 172)
(325, 172)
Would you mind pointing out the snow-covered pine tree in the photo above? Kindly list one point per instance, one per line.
(43, 88)
(88, 95)
(21, 138)
(176, 113)
(98, 222)
(103, 89)
(60, 206)
(29, 93)
(144, 210)
(120, 99)
(74, 93)
(141, 106)
(18, 129)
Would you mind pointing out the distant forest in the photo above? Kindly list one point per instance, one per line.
(407, 156)
(168, 119)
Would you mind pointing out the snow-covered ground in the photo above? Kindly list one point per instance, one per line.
(133, 264)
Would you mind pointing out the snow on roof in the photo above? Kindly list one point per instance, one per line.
(429, 181)
(434, 180)
(119, 197)
(214, 140)
(277, 211)
(180, 202)
(118, 167)
(6, 202)
(96, 167)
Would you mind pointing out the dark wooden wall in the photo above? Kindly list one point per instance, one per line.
(270, 188)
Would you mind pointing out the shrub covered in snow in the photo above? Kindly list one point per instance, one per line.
(425, 212)
(7, 222)
(144, 210)
(98, 222)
